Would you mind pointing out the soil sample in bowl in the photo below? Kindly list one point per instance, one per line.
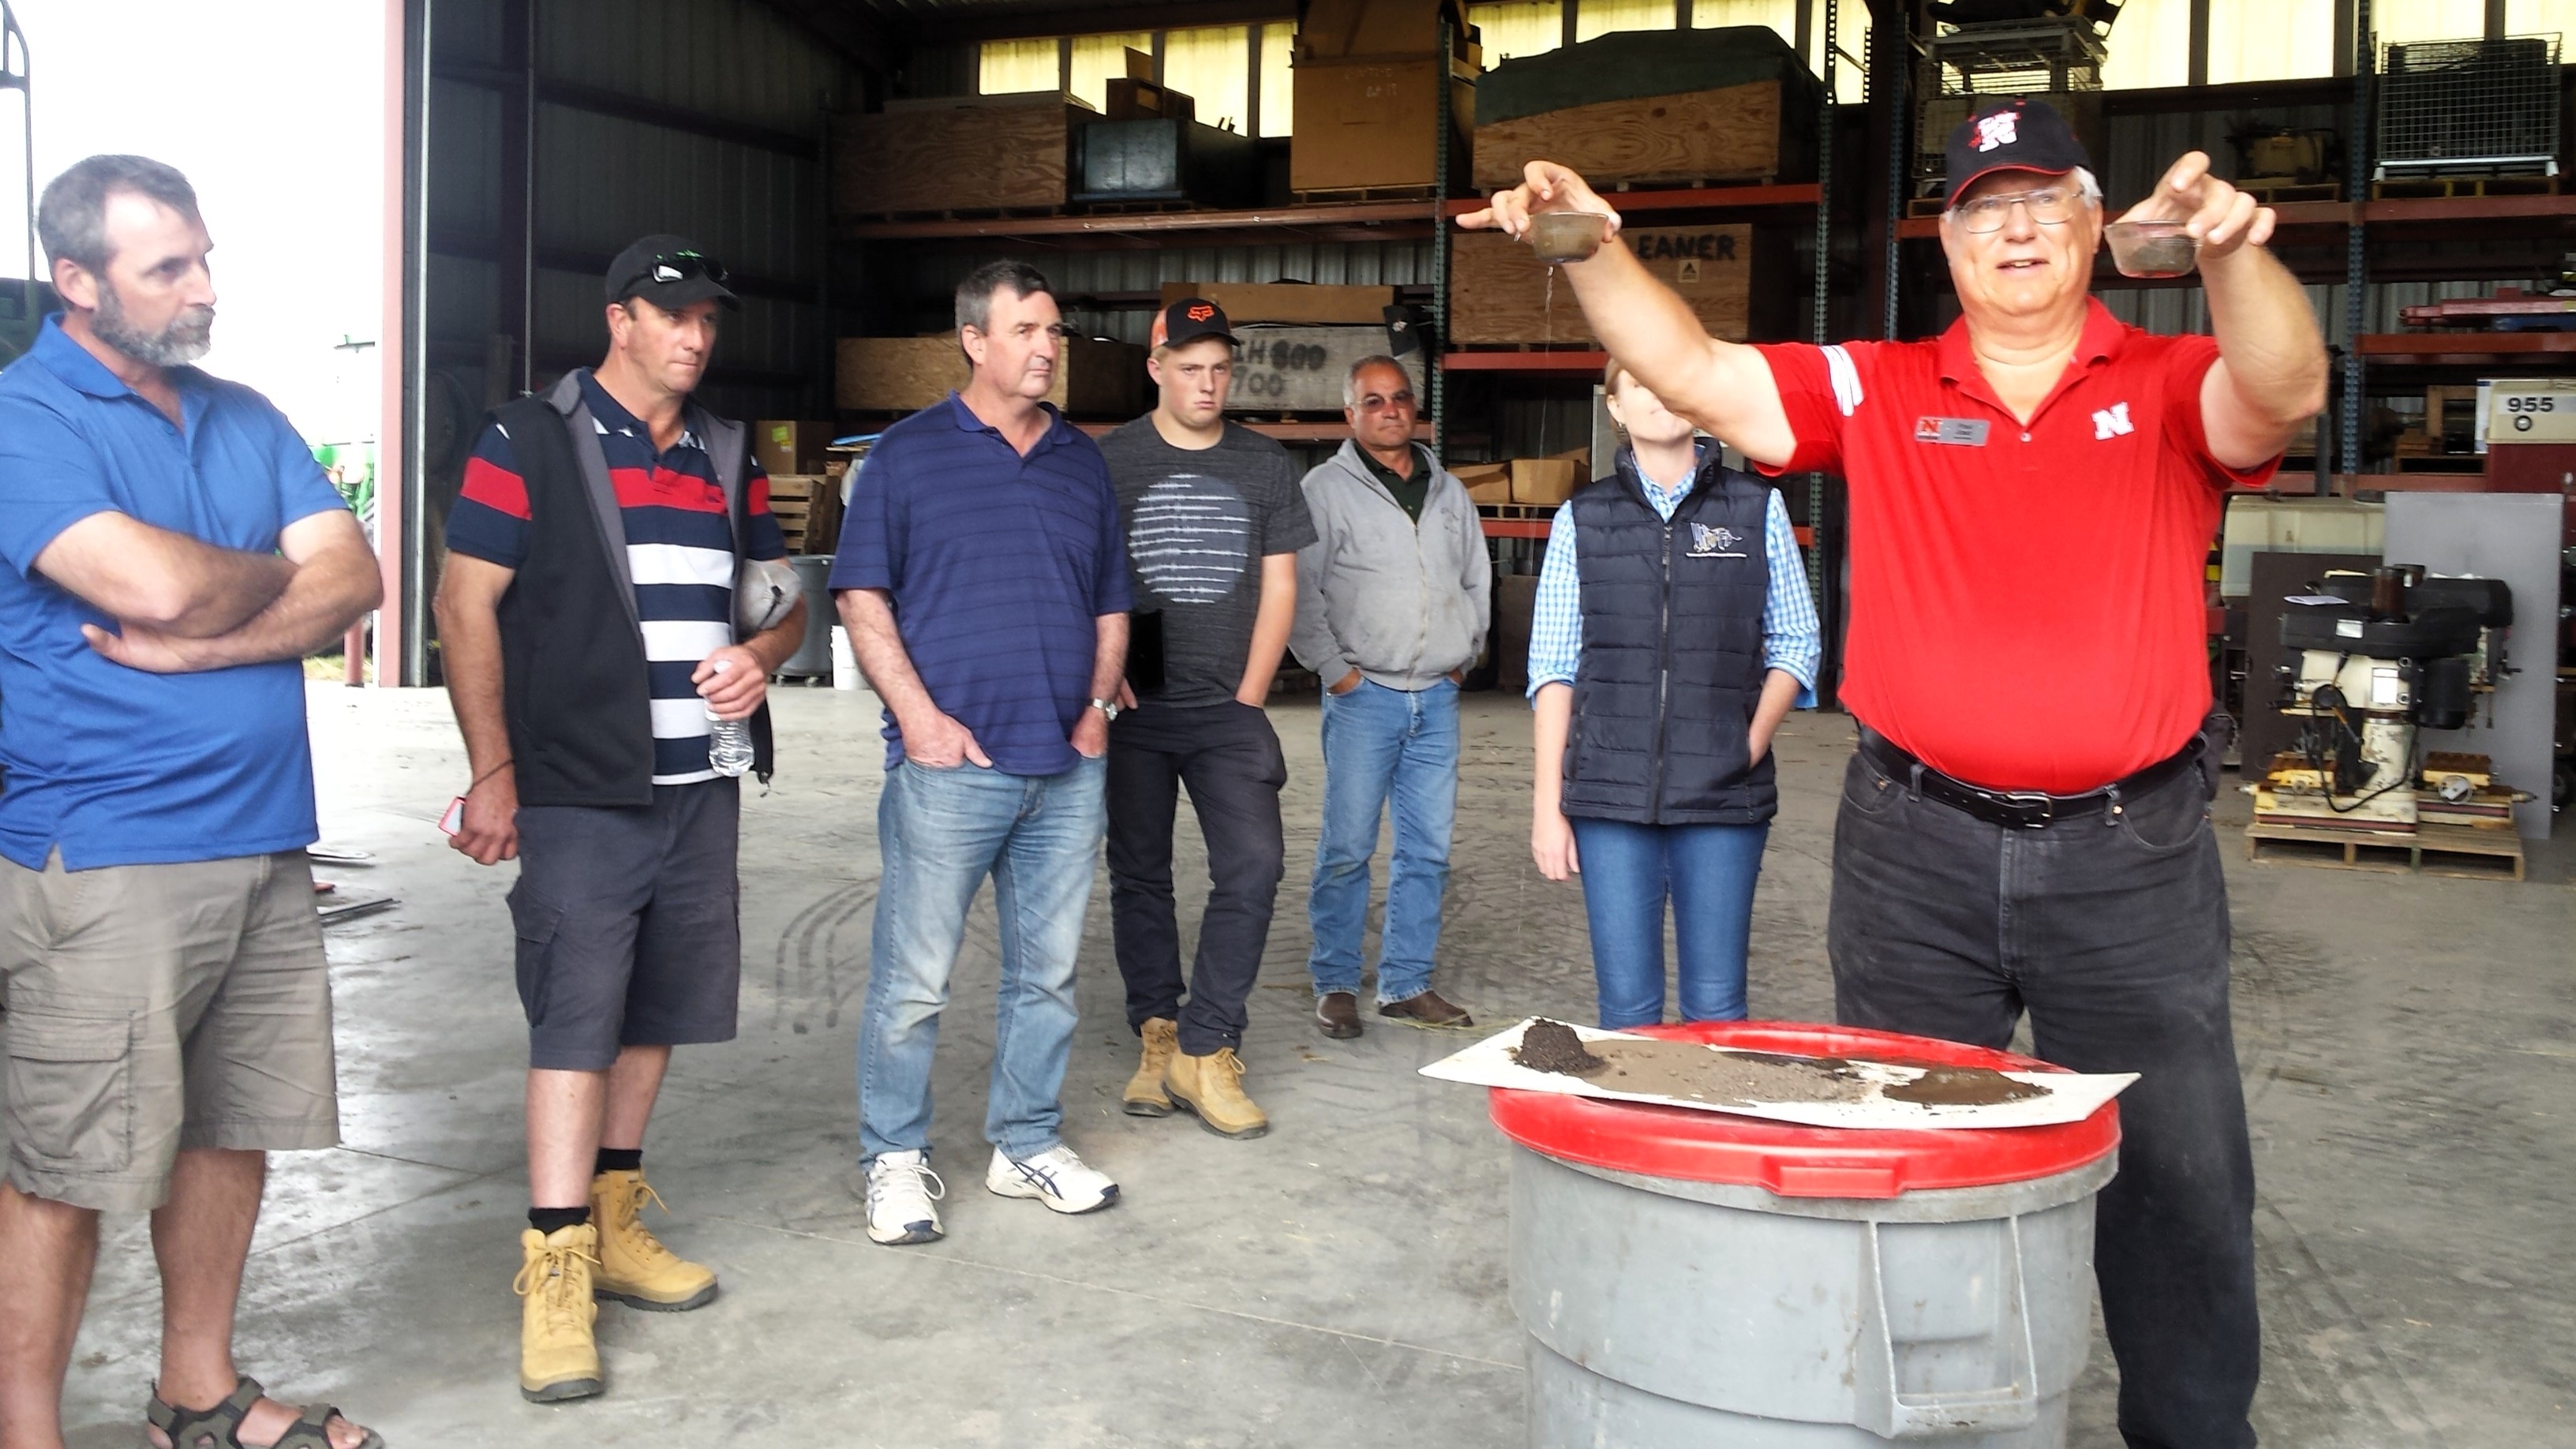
(2151, 249)
(1567, 236)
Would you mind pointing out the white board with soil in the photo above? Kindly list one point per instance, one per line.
(1810, 1091)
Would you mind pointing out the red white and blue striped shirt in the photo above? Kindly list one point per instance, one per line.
(679, 548)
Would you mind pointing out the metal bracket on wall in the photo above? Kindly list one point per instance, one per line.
(1434, 371)
(2356, 258)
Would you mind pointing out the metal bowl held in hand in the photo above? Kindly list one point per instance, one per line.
(1693, 1278)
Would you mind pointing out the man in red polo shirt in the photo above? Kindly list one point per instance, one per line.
(2025, 826)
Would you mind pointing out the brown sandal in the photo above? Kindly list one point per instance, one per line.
(220, 1426)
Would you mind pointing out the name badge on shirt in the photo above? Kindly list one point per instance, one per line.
(1960, 432)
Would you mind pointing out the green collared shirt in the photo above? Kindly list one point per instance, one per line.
(1409, 492)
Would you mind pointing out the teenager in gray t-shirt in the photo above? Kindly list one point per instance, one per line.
(1214, 516)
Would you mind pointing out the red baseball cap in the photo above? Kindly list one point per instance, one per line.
(2013, 134)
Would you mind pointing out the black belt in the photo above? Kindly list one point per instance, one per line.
(2022, 809)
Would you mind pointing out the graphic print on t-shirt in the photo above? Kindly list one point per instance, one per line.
(1190, 538)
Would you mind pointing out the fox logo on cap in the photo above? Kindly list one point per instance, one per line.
(1202, 312)
(1996, 130)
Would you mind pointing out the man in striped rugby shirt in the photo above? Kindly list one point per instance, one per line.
(589, 584)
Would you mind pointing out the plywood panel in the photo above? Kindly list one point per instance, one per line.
(1094, 378)
(1293, 301)
(1001, 151)
(1499, 289)
(1721, 135)
(1300, 369)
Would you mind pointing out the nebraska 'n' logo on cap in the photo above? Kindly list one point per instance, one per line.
(1202, 312)
(1996, 130)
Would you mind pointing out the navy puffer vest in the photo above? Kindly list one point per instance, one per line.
(1672, 652)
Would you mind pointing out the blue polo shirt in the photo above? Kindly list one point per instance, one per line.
(114, 765)
(999, 567)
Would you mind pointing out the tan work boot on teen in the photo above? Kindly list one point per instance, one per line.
(558, 1357)
(1212, 1087)
(1144, 1095)
(634, 1267)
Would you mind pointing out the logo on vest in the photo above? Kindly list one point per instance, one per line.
(1720, 542)
(2111, 422)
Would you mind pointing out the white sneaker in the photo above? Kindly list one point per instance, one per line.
(903, 1198)
(1055, 1177)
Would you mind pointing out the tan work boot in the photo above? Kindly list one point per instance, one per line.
(1144, 1095)
(1212, 1087)
(558, 1357)
(634, 1267)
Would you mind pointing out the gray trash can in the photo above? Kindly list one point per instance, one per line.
(813, 658)
(1691, 1278)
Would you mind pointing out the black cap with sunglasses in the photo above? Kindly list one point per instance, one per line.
(2019, 134)
(670, 272)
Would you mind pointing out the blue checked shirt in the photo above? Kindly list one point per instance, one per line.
(1792, 640)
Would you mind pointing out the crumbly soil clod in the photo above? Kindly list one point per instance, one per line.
(1552, 1046)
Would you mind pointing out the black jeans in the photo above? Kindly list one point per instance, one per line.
(2112, 932)
(1228, 756)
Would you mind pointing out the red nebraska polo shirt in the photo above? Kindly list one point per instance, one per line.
(2026, 599)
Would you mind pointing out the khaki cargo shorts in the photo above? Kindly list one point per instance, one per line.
(154, 1008)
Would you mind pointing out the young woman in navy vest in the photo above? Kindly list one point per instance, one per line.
(1664, 652)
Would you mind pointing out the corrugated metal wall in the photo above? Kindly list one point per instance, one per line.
(701, 117)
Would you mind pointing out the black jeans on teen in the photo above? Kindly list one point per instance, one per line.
(1229, 757)
(2112, 931)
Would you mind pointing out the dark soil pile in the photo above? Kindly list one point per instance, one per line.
(1552, 1046)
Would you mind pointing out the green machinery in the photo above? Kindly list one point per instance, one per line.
(24, 301)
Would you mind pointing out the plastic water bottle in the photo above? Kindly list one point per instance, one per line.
(728, 740)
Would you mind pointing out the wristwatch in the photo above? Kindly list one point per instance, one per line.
(1108, 707)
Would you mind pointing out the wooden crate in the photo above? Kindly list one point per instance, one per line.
(1093, 378)
(808, 509)
(1367, 124)
(1499, 289)
(1299, 369)
(974, 153)
(1651, 107)
(1288, 301)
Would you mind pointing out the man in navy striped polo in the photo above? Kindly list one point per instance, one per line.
(587, 626)
(983, 577)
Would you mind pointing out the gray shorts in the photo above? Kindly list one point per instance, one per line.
(629, 924)
(155, 1008)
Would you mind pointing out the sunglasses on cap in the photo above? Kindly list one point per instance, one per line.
(679, 267)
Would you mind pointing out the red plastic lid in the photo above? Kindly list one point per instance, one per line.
(1696, 1146)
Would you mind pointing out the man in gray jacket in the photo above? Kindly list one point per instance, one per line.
(1392, 603)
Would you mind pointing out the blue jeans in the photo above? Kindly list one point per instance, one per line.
(1708, 871)
(1384, 744)
(940, 833)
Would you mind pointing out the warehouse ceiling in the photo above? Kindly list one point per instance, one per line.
(873, 31)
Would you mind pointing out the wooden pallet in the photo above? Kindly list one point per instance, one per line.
(1923, 206)
(2421, 186)
(1699, 183)
(1523, 512)
(2271, 190)
(2464, 852)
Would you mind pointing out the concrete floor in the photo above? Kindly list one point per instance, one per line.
(2408, 1049)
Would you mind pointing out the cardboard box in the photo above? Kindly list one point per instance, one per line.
(1289, 301)
(968, 152)
(1735, 278)
(1094, 378)
(1486, 482)
(1367, 124)
(1336, 28)
(790, 447)
(1546, 482)
(2527, 410)
(1300, 369)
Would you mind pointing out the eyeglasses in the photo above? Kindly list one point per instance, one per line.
(679, 267)
(2049, 206)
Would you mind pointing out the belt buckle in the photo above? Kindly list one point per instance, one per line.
(2036, 807)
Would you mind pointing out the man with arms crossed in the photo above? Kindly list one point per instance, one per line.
(1214, 519)
(171, 551)
(586, 621)
(1392, 602)
(2025, 825)
(984, 584)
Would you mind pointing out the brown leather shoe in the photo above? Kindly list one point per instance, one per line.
(1428, 1009)
(1338, 1014)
